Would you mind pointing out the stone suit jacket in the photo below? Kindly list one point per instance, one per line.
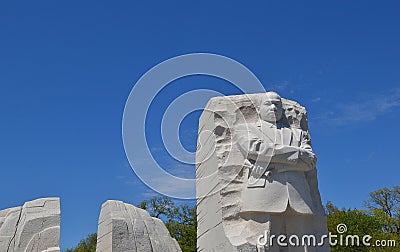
(277, 153)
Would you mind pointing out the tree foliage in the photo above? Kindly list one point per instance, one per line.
(86, 245)
(357, 223)
(180, 220)
(159, 207)
(380, 220)
(385, 204)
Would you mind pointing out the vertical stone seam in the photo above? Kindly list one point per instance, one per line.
(15, 232)
(145, 226)
(131, 224)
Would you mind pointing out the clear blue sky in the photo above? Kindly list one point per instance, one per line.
(66, 70)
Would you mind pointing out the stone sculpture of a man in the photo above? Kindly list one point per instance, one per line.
(277, 194)
(256, 177)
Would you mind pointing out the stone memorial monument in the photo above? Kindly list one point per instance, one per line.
(33, 227)
(256, 177)
(126, 228)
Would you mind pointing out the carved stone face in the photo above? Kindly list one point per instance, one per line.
(271, 107)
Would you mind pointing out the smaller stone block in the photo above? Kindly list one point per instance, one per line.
(125, 228)
(33, 227)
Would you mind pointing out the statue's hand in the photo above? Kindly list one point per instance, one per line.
(258, 169)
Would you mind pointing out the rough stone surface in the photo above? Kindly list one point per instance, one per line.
(126, 228)
(247, 188)
(33, 227)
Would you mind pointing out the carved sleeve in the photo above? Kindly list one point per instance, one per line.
(257, 148)
(308, 155)
(252, 145)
